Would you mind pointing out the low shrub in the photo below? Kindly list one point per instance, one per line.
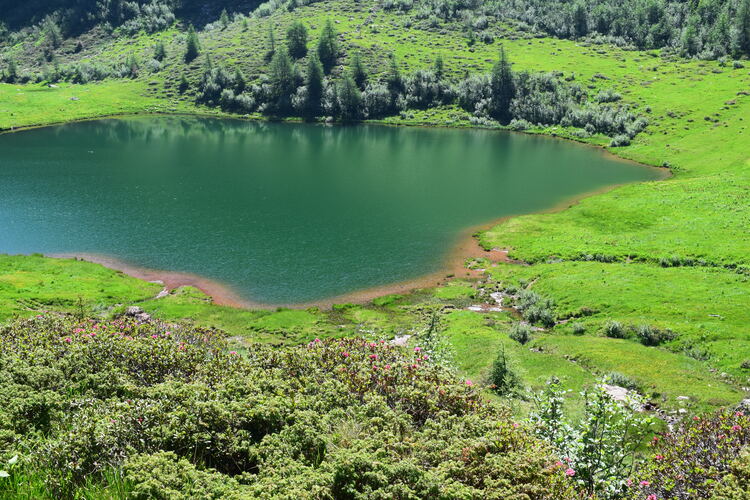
(521, 333)
(651, 336)
(504, 379)
(615, 330)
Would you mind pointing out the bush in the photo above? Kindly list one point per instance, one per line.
(620, 140)
(503, 377)
(650, 336)
(578, 328)
(520, 333)
(620, 380)
(615, 330)
(184, 416)
(691, 461)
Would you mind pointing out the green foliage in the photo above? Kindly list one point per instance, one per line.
(615, 330)
(349, 100)
(504, 379)
(185, 417)
(358, 72)
(700, 458)
(283, 82)
(521, 333)
(651, 336)
(328, 46)
(192, 45)
(503, 89)
(599, 453)
(160, 52)
(296, 40)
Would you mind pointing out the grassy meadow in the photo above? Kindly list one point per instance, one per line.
(672, 254)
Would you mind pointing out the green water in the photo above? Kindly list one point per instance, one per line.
(282, 213)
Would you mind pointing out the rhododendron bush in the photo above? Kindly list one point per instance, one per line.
(176, 414)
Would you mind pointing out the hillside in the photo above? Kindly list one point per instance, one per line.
(646, 284)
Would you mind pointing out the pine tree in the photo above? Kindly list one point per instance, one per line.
(239, 82)
(296, 40)
(358, 71)
(159, 51)
(439, 68)
(328, 46)
(503, 89)
(12, 72)
(224, 19)
(742, 42)
(184, 84)
(192, 45)
(283, 81)
(314, 84)
(393, 79)
(350, 99)
(271, 43)
(580, 19)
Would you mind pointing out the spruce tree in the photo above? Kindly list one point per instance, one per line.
(350, 99)
(239, 82)
(224, 19)
(503, 89)
(11, 75)
(358, 71)
(296, 40)
(271, 43)
(742, 43)
(192, 45)
(328, 46)
(159, 51)
(283, 81)
(314, 84)
(393, 79)
(439, 68)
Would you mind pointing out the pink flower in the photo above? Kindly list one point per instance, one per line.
(92, 334)
(629, 482)
(417, 349)
(425, 357)
(387, 367)
(317, 341)
(696, 418)
(154, 336)
(651, 497)
(345, 354)
(78, 330)
(68, 340)
(233, 353)
(644, 483)
(659, 457)
(373, 356)
(558, 464)
(570, 472)
(469, 382)
(739, 414)
(736, 428)
(516, 425)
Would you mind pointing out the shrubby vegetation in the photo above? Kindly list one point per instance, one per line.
(156, 409)
(708, 29)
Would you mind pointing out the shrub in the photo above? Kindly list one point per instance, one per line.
(620, 380)
(615, 330)
(503, 377)
(691, 461)
(620, 140)
(651, 336)
(520, 333)
(183, 416)
(578, 328)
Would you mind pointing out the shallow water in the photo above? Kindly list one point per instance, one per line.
(282, 213)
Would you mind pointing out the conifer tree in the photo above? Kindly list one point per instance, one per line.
(159, 51)
(283, 81)
(296, 40)
(314, 84)
(349, 98)
(224, 19)
(359, 74)
(192, 45)
(742, 43)
(503, 89)
(328, 46)
(439, 67)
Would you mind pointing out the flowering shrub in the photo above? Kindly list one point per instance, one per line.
(599, 453)
(181, 416)
(690, 462)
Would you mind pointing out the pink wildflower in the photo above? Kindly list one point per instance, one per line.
(317, 341)
(629, 482)
(345, 354)
(417, 349)
(739, 414)
(659, 457)
(736, 428)
(696, 418)
(558, 464)
(68, 340)
(387, 367)
(373, 356)
(232, 353)
(644, 483)
(651, 497)
(516, 425)
(154, 336)
(570, 472)
(469, 382)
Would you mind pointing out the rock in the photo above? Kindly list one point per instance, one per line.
(616, 392)
(400, 341)
(162, 294)
(133, 311)
(74, 99)
(682, 398)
